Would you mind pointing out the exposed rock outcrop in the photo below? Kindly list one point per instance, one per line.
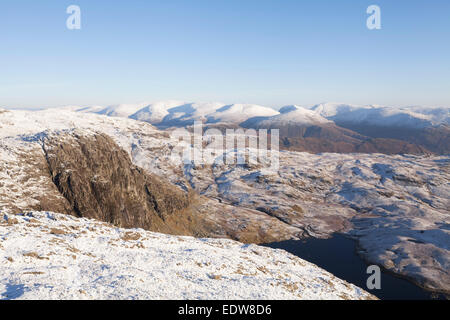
(99, 181)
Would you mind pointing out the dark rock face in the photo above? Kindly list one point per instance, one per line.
(99, 181)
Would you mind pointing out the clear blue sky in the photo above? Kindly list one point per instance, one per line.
(252, 51)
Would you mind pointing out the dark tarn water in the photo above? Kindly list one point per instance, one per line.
(338, 256)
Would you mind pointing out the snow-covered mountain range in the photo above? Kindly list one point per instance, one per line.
(168, 113)
(326, 127)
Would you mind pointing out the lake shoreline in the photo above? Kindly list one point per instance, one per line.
(339, 256)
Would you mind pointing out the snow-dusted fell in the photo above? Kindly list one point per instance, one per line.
(237, 113)
(407, 117)
(168, 114)
(53, 256)
(329, 110)
(437, 115)
(289, 108)
(178, 113)
(155, 112)
(120, 110)
(293, 115)
(173, 113)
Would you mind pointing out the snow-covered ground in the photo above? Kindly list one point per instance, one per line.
(397, 207)
(53, 256)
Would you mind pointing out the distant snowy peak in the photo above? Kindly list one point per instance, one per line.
(332, 109)
(120, 110)
(289, 108)
(237, 113)
(179, 114)
(80, 109)
(156, 112)
(294, 115)
(407, 117)
(437, 115)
